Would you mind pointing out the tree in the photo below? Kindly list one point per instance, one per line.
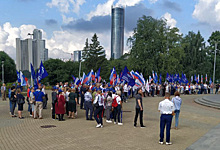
(85, 51)
(195, 51)
(155, 46)
(95, 56)
(214, 38)
(59, 71)
(9, 68)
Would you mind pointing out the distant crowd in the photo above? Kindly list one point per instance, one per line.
(101, 100)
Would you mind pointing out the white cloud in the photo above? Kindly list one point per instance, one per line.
(75, 40)
(3, 36)
(207, 11)
(102, 9)
(67, 20)
(77, 4)
(152, 1)
(105, 8)
(58, 52)
(65, 6)
(62, 5)
(127, 2)
(170, 21)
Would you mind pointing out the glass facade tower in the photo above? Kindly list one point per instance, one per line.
(117, 32)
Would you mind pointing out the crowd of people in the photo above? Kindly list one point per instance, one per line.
(101, 100)
(189, 88)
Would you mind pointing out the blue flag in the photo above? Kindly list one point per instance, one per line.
(42, 73)
(18, 76)
(32, 72)
(22, 77)
(34, 77)
(160, 82)
(210, 80)
(126, 76)
(184, 79)
(73, 78)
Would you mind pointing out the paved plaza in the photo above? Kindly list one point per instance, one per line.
(78, 134)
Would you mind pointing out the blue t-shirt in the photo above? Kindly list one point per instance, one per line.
(38, 96)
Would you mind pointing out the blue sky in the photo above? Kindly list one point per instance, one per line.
(67, 23)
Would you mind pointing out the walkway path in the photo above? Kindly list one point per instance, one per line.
(195, 121)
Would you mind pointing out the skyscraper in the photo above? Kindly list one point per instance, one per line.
(117, 32)
(30, 51)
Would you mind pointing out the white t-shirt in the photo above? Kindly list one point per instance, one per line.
(67, 96)
(166, 107)
(205, 86)
(118, 99)
(117, 88)
(113, 96)
(187, 88)
(43, 90)
(167, 89)
(125, 88)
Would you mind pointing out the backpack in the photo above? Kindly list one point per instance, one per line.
(114, 102)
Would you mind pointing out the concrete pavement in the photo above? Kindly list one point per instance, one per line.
(77, 134)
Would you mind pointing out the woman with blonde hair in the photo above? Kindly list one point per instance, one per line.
(177, 101)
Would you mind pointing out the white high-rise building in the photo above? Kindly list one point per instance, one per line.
(77, 55)
(30, 51)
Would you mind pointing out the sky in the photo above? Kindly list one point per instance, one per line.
(67, 23)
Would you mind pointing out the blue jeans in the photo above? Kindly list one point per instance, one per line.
(165, 120)
(98, 111)
(177, 113)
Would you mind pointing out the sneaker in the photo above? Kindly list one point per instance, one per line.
(108, 121)
(135, 126)
(120, 124)
(161, 143)
(168, 143)
(30, 115)
(101, 126)
(98, 125)
(91, 119)
(115, 122)
(143, 126)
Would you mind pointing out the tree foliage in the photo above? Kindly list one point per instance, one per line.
(59, 71)
(9, 68)
(94, 56)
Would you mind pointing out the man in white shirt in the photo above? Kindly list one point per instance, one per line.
(166, 108)
(125, 88)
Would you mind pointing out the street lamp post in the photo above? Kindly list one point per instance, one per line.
(79, 66)
(2, 71)
(214, 64)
